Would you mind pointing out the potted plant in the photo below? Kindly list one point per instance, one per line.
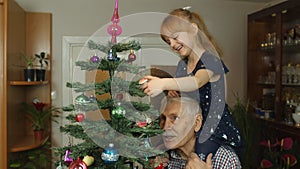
(43, 60)
(29, 72)
(39, 115)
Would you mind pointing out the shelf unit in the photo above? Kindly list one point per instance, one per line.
(273, 66)
(30, 33)
(27, 143)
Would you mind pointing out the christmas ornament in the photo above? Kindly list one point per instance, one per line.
(147, 142)
(115, 18)
(119, 96)
(160, 166)
(141, 123)
(93, 99)
(79, 117)
(95, 59)
(131, 56)
(110, 154)
(88, 160)
(59, 166)
(68, 159)
(114, 29)
(118, 112)
(77, 164)
(144, 123)
(111, 56)
(81, 100)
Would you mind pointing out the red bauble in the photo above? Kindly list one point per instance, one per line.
(79, 117)
(141, 123)
(77, 164)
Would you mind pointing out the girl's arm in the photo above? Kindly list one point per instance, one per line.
(156, 85)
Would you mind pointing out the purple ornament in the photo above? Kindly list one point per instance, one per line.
(68, 159)
(94, 59)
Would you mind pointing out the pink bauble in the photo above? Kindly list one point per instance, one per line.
(131, 57)
(114, 30)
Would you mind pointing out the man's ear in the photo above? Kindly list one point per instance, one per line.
(198, 122)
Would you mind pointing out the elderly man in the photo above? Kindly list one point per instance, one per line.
(181, 119)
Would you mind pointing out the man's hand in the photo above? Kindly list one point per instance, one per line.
(173, 93)
(194, 162)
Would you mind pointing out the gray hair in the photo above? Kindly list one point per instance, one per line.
(188, 105)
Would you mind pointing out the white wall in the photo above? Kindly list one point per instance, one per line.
(225, 19)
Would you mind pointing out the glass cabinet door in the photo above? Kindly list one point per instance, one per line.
(290, 67)
(262, 38)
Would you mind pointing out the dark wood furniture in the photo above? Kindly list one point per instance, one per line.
(273, 68)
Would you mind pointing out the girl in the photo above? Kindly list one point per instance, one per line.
(201, 75)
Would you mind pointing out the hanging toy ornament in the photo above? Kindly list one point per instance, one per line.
(81, 100)
(78, 164)
(111, 55)
(95, 59)
(131, 56)
(88, 160)
(119, 96)
(68, 159)
(93, 99)
(110, 154)
(118, 112)
(114, 29)
(59, 166)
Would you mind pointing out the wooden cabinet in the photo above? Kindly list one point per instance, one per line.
(29, 33)
(273, 62)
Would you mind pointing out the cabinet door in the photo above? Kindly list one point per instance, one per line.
(262, 34)
(274, 60)
(290, 61)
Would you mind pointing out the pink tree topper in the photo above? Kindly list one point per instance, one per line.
(114, 29)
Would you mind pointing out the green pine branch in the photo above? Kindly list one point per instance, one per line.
(119, 47)
(107, 65)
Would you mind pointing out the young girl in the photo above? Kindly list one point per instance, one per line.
(200, 75)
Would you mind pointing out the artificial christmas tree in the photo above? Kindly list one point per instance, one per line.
(123, 137)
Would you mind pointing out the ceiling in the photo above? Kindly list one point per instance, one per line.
(262, 1)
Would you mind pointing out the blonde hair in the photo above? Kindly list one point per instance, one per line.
(191, 17)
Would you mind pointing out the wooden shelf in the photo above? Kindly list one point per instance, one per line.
(281, 126)
(28, 143)
(25, 83)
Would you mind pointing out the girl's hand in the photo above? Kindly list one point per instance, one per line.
(153, 86)
(195, 162)
(173, 93)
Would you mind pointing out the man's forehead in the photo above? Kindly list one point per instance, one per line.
(177, 108)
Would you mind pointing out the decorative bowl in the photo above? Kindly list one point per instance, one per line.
(296, 117)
